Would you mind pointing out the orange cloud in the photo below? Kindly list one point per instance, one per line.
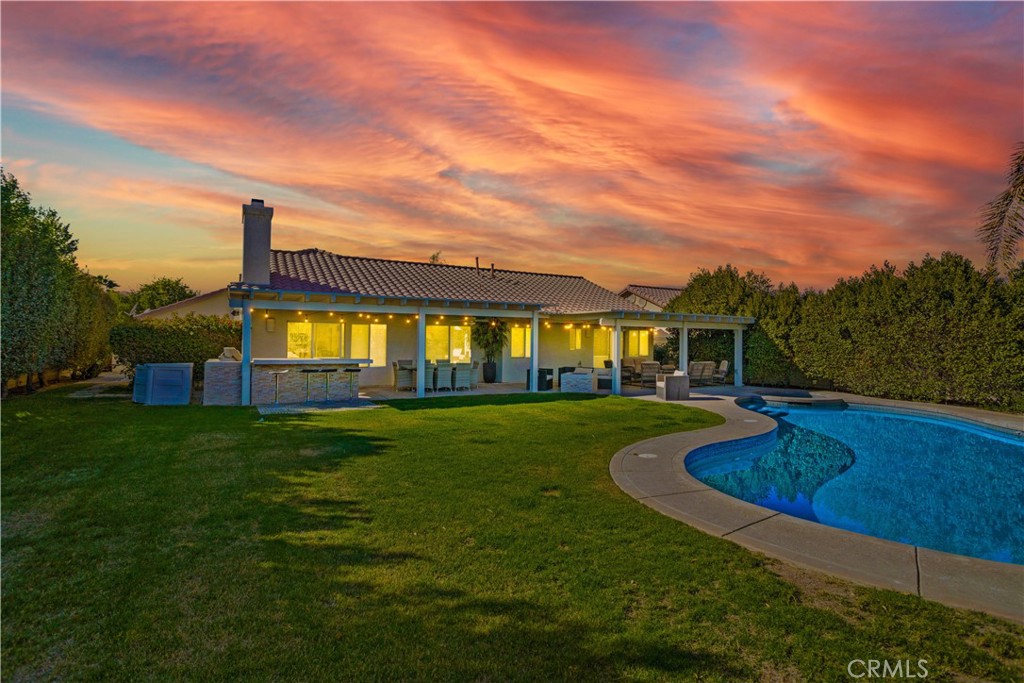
(622, 142)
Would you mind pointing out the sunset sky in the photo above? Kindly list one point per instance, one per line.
(627, 142)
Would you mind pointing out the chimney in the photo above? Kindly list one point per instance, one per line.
(492, 270)
(256, 243)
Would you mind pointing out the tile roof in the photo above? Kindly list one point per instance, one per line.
(315, 270)
(660, 296)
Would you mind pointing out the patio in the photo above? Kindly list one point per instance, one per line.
(387, 393)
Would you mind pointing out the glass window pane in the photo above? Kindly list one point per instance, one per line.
(437, 342)
(645, 343)
(462, 344)
(378, 345)
(326, 340)
(300, 339)
(359, 345)
(602, 347)
(520, 342)
(575, 339)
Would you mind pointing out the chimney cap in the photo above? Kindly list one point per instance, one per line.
(256, 201)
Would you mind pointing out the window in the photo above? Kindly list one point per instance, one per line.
(461, 343)
(327, 340)
(602, 347)
(638, 343)
(437, 343)
(454, 343)
(575, 338)
(314, 340)
(370, 341)
(521, 345)
(300, 340)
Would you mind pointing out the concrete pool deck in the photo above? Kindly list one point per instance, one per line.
(653, 472)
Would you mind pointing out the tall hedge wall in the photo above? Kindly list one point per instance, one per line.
(940, 331)
(190, 339)
(54, 316)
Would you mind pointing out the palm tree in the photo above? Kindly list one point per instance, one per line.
(1002, 226)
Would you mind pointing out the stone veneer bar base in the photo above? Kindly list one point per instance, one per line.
(223, 384)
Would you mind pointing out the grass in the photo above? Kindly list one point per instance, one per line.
(460, 539)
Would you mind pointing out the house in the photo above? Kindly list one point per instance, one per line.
(211, 303)
(650, 297)
(301, 306)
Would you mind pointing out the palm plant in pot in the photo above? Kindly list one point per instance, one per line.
(491, 335)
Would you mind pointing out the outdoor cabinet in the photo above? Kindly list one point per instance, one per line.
(141, 384)
(163, 384)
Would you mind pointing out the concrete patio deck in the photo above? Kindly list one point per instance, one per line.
(653, 472)
(387, 393)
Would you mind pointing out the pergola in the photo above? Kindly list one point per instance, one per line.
(684, 322)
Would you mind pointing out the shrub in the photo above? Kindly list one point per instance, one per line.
(941, 331)
(91, 318)
(189, 339)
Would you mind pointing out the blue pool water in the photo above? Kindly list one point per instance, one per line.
(933, 483)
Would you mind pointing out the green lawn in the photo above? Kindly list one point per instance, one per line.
(462, 539)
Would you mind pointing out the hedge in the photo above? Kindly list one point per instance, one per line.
(190, 339)
(941, 331)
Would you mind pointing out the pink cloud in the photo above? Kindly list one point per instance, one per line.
(619, 142)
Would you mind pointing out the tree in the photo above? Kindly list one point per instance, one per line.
(160, 292)
(1002, 225)
(37, 253)
(436, 258)
(724, 291)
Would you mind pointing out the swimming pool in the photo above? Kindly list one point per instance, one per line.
(926, 481)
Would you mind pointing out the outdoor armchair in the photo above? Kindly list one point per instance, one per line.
(463, 376)
(674, 387)
(719, 374)
(403, 374)
(444, 376)
(649, 372)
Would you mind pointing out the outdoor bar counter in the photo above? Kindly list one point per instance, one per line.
(292, 380)
(224, 380)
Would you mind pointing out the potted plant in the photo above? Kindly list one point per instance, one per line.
(491, 335)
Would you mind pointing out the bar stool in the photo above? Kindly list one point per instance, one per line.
(352, 372)
(327, 372)
(307, 372)
(277, 376)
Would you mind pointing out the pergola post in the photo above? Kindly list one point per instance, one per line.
(737, 357)
(684, 348)
(616, 360)
(421, 353)
(534, 352)
(246, 353)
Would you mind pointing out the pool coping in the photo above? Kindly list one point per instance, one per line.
(653, 472)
